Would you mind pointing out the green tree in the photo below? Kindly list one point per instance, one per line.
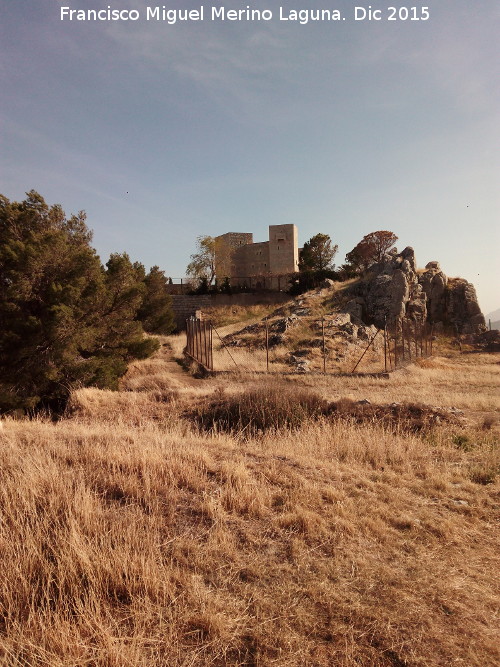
(61, 320)
(318, 254)
(122, 334)
(372, 248)
(156, 312)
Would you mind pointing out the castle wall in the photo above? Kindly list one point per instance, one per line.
(185, 306)
(255, 259)
(238, 257)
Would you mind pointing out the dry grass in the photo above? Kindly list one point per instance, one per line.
(468, 382)
(129, 538)
(223, 316)
(275, 407)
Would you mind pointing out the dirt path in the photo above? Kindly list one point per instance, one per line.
(174, 368)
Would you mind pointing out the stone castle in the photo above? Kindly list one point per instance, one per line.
(264, 264)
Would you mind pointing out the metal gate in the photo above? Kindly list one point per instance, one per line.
(199, 342)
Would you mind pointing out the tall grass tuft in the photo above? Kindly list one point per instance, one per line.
(260, 410)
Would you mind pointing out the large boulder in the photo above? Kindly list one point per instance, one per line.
(393, 291)
(355, 308)
(462, 307)
(433, 282)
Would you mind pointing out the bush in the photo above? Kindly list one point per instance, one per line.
(259, 411)
(267, 409)
(462, 442)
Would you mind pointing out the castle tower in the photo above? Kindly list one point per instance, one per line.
(229, 260)
(283, 249)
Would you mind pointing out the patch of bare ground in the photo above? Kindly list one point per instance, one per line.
(164, 370)
(469, 382)
(129, 537)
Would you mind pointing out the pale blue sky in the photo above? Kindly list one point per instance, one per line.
(162, 133)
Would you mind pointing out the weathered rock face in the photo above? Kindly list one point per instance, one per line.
(434, 282)
(395, 291)
(453, 302)
(462, 308)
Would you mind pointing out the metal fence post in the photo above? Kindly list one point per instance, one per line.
(385, 345)
(267, 345)
(396, 331)
(324, 345)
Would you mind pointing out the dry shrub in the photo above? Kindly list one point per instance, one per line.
(484, 475)
(408, 417)
(488, 422)
(152, 382)
(259, 410)
(277, 408)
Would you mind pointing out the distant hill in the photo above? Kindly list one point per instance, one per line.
(495, 319)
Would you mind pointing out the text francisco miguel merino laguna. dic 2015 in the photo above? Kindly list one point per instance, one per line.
(221, 13)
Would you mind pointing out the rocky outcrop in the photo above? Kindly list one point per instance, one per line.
(434, 282)
(453, 302)
(462, 308)
(394, 291)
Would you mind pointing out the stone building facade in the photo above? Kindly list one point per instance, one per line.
(258, 264)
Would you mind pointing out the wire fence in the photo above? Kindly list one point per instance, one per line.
(322, 346)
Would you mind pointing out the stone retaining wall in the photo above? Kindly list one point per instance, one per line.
(185, 306)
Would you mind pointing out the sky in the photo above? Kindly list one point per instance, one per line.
(164, 132)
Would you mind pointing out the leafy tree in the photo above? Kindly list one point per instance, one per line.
(318, 254)
(202, 264)
(370, 249)
(212, 259)
(65, 320)
(156, 312)
(360, 258)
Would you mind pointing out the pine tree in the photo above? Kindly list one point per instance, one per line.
(64, 320)
(318, 253)
(156, 312)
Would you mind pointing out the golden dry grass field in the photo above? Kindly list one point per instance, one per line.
(130, 536)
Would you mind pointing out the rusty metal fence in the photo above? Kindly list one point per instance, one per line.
(199, 342)
(406, 341)
(380, 350)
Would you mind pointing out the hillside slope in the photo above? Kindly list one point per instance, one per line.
(130, 538)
